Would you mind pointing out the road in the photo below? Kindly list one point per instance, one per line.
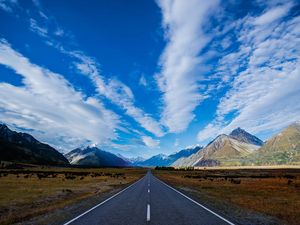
(149, 201)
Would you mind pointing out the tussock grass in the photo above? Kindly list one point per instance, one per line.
(28, 193)
(273, 193)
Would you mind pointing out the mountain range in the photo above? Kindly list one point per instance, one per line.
(242, 148)
(224, 149)
(167, 160)
(237, 148)
(23, 148)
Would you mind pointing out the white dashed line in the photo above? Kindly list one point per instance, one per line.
(148, 190)
(148, 212)
(101, 203)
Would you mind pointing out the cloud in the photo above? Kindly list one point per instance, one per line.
(117, 92)
(176, 143)
(150, 142)
(143, 81)
(34, 27)
(273, 14)
(59, 32)
(264, 94)
(51, 107)
(8, 5)
(180, 63)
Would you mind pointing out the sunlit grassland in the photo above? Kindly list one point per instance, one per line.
(28, 193)
(265, 193)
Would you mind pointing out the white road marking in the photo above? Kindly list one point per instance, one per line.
(148, 212)
(148, 190)
(222, 218)
(101, 203)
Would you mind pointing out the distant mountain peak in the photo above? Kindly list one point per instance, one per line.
(242, 135)
(192, 146)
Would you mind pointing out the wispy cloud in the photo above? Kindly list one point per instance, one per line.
(117, 92)
(49, 105)
(273, 14)
(8, 5)
(143, 81)
(42, 31)
(264, 95)
(180, 65)
(114, 90)
(150, 142)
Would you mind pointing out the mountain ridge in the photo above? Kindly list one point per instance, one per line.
(24, 148)
(224, 149)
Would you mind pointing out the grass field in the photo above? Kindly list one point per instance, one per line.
(248, 196)
(30, 194)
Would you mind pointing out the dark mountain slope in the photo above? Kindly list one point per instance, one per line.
(23, 148)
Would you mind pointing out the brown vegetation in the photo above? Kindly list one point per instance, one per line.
(29, 193)
(270, 196)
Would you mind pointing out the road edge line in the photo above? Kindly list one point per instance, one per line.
(197, 203)
(101, 203)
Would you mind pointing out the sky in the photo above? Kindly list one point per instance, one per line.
(147, 77)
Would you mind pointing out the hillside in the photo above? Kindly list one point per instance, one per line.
(283, 148)
(23, 148)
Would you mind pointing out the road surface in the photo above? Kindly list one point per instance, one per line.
(149, 201)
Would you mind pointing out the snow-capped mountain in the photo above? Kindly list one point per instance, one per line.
(93, 156)
(167, 160)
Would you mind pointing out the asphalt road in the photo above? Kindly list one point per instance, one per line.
(149, 201)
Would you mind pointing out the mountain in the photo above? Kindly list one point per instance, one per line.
(23, 148)
(243, 136)
(157, 160)
(132, 160)
(93, 156)
(223, 150)
(283, 148)
(167, 160)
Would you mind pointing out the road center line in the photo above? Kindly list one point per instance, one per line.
(148, 212)
(101, 203)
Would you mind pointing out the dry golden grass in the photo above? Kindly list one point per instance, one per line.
(25, 194)
(271, 192)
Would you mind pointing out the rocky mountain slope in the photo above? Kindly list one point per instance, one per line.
(23, 148)
(224, 149)
(243, 136)
(93, 156)
(283, 148)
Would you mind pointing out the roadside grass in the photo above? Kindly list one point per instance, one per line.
(249, 196)
(28, 193)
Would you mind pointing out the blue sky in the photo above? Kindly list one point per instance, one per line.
(147, 77)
